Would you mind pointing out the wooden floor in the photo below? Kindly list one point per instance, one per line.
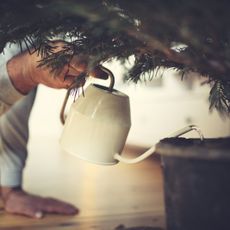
(109, 197)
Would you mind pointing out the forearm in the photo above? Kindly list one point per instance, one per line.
(13, 140)
(19, 73)
(11, 162)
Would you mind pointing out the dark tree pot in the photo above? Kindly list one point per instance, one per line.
(196, 183)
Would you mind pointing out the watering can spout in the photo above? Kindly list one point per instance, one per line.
(151, 151)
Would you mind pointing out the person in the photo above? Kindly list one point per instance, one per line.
(19, 78)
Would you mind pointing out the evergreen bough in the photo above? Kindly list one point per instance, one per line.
(188, 36)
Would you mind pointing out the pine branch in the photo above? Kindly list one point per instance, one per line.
(220, 98)
(103, 30)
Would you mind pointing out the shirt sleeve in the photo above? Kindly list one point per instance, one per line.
(8, 94)
(13, 124)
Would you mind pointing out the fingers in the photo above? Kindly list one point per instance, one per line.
(97, 72)
(50, 205)
(22, 203)
(31, 212)
(69, 80)
(66, 77)
(38, 207)
(79, 64)
(74, 76)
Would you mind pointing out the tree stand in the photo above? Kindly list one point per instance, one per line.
(196, 183)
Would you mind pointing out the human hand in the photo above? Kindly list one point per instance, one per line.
(17, 201)
(25, 74)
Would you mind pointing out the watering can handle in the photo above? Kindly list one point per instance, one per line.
(76, 85)
(152, 149)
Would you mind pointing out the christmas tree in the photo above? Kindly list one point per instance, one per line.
(189, 36)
